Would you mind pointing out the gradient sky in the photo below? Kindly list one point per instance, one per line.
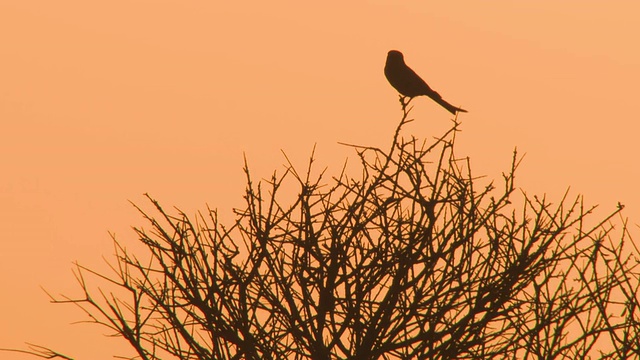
(102, 101)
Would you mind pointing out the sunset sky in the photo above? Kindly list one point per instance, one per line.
(103, 101)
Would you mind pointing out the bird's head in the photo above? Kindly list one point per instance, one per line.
(395, 56)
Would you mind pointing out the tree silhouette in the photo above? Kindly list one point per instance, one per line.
(411, 259)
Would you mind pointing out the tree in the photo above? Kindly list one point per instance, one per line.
(412, 259)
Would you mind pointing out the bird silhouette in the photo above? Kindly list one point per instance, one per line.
(408, 83)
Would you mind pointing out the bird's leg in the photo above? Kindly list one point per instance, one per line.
(404, 102)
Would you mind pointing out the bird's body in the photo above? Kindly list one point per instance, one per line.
(408, 83)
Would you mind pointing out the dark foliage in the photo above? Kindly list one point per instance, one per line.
(412, 259)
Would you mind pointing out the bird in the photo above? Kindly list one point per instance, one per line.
(408, 83)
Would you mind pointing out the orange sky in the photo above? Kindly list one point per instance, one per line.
(102, 101)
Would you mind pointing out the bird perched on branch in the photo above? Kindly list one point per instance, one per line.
(408, 83)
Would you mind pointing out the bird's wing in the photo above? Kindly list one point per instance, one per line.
(415, 81)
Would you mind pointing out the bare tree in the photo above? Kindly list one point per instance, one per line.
(411, 259)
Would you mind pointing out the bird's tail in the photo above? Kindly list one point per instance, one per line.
(452, 109)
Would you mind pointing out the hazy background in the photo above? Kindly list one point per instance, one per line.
(102, 101)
